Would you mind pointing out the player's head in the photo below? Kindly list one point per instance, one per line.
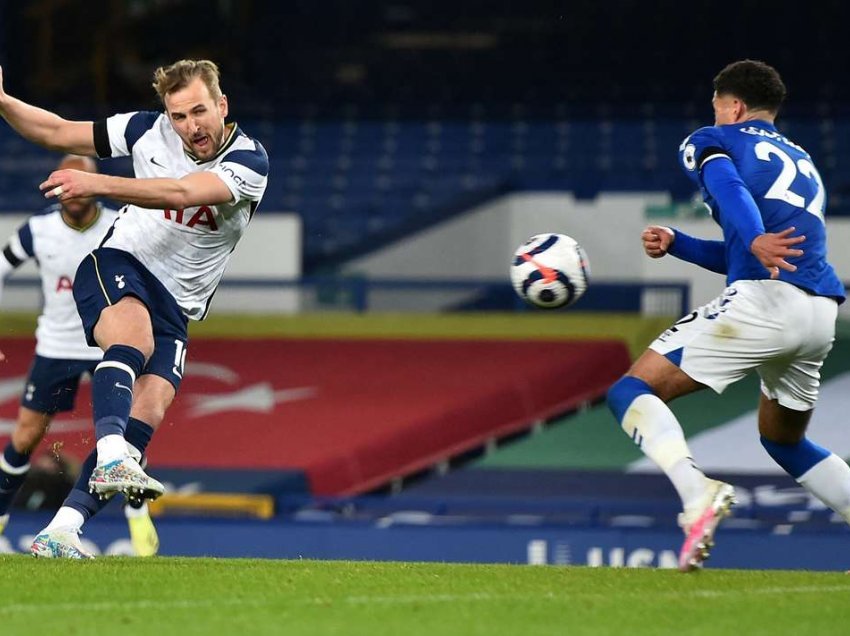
(190, 92)
(78, 211)
(744, 88)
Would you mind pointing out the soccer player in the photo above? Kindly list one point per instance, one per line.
(58, 240)
(776, 316)
(197, 183)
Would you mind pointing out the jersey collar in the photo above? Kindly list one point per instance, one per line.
(761, 123)
(231, 137)
(89, 225)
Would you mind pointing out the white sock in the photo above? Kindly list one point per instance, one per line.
(110, 448)
(654, 428)
(131, 512)
(829, 481)
(66, 517)
(134, 452)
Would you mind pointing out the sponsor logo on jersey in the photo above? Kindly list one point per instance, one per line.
(64, 283)
(202, 216)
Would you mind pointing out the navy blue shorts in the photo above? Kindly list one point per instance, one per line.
(52, 384)
(107, 275)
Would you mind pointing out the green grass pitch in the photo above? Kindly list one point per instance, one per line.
(165, 596)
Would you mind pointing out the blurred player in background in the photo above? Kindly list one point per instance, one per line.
(777, 315)
(198, 182)
(58, 240)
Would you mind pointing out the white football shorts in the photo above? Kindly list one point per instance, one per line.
(780, 330)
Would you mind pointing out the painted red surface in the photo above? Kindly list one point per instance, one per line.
(351, 413)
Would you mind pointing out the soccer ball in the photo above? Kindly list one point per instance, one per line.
(550, 271)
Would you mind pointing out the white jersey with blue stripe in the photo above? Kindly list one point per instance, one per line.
(58, 249)
(186, 250)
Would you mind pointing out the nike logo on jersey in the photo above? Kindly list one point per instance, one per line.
(155, 162)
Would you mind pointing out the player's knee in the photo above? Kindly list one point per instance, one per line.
(126, 323)
(623, 392)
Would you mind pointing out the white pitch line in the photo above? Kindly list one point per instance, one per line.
(800, 589)
(394, 600)
(112, 605)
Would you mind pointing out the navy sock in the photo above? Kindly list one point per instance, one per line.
(13, 470)
(795, 459)
(80, 499)
(139, 435)
(112, 389)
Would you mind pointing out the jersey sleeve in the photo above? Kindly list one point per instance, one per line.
(17, 250)
(701, 147)
(245, 172)
(115, 136)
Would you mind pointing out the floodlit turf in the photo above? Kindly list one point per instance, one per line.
(165, 596)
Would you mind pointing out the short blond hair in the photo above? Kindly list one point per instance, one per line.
(167, 79)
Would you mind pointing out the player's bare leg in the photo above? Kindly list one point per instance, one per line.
(639, 402)
(15, 461)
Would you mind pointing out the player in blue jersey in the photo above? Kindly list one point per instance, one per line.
(776, 315)
(58, 240)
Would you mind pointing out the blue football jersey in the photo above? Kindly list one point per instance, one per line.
(787, 189)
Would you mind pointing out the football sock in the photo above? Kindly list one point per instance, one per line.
(822, 473)
(112, 397)
(65, 517)
(652, 426)
(136, 509)
(80, 499)
(13, 470)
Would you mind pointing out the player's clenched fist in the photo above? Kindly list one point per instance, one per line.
(656, 240)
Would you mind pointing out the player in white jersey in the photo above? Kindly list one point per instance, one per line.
(58, 240)
(198, 182)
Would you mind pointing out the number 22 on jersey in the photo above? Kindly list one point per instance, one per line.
(781, 188)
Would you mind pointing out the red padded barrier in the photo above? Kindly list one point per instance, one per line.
(352, 414)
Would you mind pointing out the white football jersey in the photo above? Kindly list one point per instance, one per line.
(58, 249)
(187, 250)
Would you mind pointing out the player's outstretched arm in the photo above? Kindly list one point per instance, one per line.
(659, 240)
(45, 128)
(200, 188)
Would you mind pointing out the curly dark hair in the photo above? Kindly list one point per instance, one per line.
(755, 83)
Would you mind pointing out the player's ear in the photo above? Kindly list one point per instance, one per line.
(740, 110)
(222, 106)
